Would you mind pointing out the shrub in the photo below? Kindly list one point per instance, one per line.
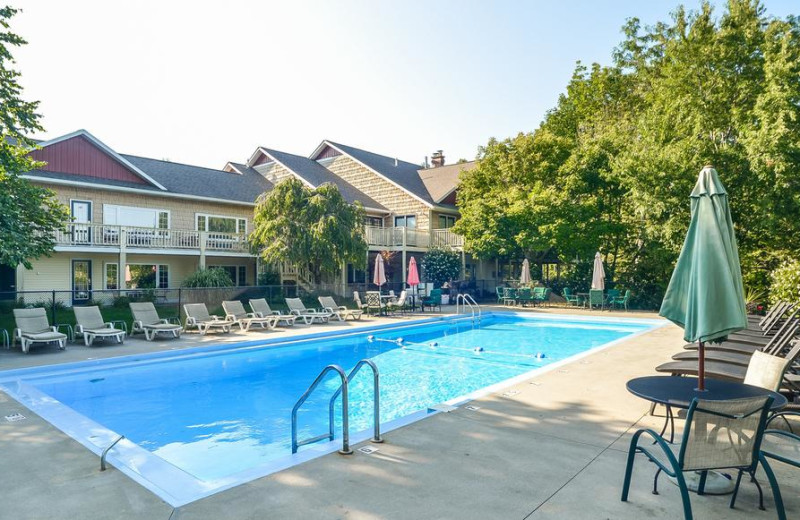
(441, 265)
(786, 282)
(208, 278)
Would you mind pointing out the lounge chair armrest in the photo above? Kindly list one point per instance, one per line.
(258, 314)
(109, 325)
(330, 309)
(78, 329)
(165, 321)
(341, 308)
(190, 320)
(54, 328)
(253, 315)
(277, 313)
(296, 313)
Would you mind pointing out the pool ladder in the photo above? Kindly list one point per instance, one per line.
(343, 390)
(465, 300)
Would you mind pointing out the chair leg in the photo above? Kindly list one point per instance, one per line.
(626, 483)
(655, 481)
(736, 489)
(773, 483)
(760, 492)
(701, 486)
(687, 505)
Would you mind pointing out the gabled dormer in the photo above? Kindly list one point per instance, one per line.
(82, 155)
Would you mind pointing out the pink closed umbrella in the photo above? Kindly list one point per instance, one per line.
(412, 279)
(379, 276)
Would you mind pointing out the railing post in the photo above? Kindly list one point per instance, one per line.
(53, 309)
(202, 243)
(179, 304)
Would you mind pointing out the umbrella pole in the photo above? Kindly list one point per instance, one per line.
(701, 369)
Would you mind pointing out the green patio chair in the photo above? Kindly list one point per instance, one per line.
(524, 296)
(501, 293)
(541, 295)
(621, 301)
(611, 295)
(596, 299)
(572, 299)
(718, 435)
(434, 299)
(510, 296)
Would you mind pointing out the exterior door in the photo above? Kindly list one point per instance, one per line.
(81, 211)
(8, 281)
(81, 281)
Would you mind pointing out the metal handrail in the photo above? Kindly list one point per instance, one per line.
(466, 300)
(105, 452)
(345, 415)
(376, 385)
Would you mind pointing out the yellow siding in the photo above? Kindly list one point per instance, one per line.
(182, 212)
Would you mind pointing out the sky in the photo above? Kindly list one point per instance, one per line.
(203, 82)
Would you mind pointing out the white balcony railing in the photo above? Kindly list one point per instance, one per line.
(103, 235)
(400, 236)
(445, 238)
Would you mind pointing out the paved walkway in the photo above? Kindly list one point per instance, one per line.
(554, 450)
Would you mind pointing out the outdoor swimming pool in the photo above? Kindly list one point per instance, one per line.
(204, 419)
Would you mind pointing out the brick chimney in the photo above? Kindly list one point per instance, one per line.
(437, 159)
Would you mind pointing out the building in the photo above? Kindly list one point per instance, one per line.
(145, 222)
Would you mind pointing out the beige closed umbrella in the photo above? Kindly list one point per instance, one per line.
(598, 274)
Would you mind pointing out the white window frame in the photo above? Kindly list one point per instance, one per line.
(157, 212)
(105, 276)
(210, 215)
(405, 220)
(158, 274)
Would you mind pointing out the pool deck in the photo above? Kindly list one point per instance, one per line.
(555, 449)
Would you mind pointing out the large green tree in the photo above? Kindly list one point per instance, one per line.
(612, 165)
(28, 213)
(317, 228)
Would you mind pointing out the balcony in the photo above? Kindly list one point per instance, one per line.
(401, 237)
(129, 237)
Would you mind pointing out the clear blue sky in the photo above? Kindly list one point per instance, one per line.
(206, 82)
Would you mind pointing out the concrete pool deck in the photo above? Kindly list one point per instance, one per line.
(555, 449)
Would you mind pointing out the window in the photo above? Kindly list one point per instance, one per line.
(409, 221)
(218, 224)
(446, 221)
(146, 276)
(237, 273)
(373, 221)
(112, 272)
(136, 217)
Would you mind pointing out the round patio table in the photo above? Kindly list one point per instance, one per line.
(679, 392)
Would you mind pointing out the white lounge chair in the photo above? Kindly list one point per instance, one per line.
(90, 325)
(340, 311)
(33, 327)
(235, 313)
(398, 304)
(260, 308)
(147, 320)
(309, 316)
(357, 298)
(197, 316)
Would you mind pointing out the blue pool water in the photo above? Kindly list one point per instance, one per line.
(223, 413)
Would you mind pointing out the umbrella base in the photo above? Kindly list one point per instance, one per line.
(716, 483)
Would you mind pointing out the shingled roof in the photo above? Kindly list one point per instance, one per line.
(203, 182)
(402, 173)
(443, 180)
(316, 175)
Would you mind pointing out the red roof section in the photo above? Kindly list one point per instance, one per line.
(79, 156)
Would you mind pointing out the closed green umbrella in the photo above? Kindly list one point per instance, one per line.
(705, 295)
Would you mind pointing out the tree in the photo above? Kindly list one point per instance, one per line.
(612, 165)
(304, 226)
(441, 265)
(30, 214)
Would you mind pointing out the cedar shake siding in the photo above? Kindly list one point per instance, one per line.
(384, 192)
(274, 172)
(78, 156)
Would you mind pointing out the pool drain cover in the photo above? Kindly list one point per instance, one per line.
(442, 407)
(14, 417)
(368, 449)
(511, 393)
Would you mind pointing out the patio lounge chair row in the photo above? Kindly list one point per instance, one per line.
(33, 327)
(197, 315)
